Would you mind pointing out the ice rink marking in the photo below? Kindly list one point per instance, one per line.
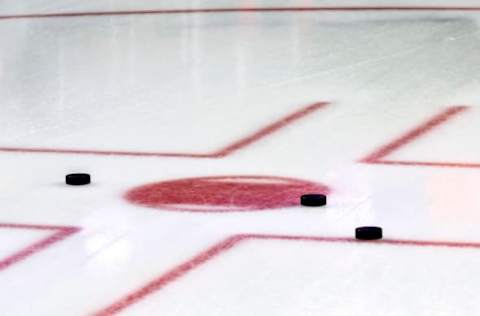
(60, 233)
(377, 157)
(220, 153)
(236, 10)
(227, 244)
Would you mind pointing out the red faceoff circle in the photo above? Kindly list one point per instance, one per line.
(224, 193)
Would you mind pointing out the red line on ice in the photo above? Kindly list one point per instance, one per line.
(428, 164)
(170, 276)
(267, 130)
(222, 152)
(377, 157)
(237, 10)
(61, 232)
(225, 245)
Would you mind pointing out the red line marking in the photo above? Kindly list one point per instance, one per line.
(61, 232)
(439, 119)
(267, 130)
(236, 10)
(225, 245)
(171, 275)
(415, 133)
(396, 242)
(101, 152)
(428, 164)
(220, 153)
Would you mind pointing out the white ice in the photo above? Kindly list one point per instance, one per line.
(193, 83)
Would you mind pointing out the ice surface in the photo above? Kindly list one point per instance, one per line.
(193, 84)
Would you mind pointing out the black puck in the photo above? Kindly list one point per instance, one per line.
(368, 233)
(313, 200)
(77, 179)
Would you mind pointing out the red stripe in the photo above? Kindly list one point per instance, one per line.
(222, 152)
(428, 164)
(236, 10)
(230, 242)
(61, 233)
(270, 129)
(102, 152)
(397, 242)
(170, 276)
(37, 227)
(415, 133)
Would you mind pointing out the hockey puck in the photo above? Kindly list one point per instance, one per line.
(368, 233)
(77, 179)
(313, 200)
